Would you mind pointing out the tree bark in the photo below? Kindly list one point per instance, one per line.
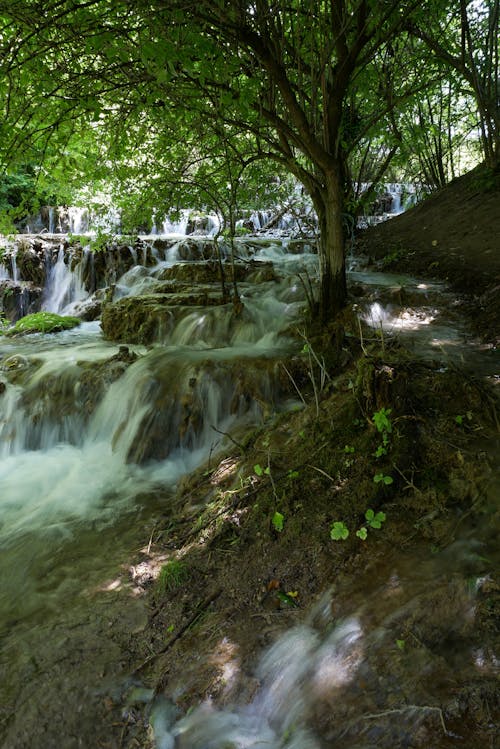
(333, 286)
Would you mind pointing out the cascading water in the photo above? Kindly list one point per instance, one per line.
(88, 431)
(94, 437)
(63, 287)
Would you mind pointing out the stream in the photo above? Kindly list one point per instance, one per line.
(94, 437)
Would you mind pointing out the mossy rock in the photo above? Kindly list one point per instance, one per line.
(43, 322)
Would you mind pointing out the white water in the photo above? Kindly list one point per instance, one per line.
(65, 470)
(293, 675)
(62, 463)
(63, 286)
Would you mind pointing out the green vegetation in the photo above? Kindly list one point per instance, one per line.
(259, 471)
(172, 576)
(381, 478)
(373, 519)
(43, 322)
(219, 109)
(340, 532)
(278, 521)
(384, 427)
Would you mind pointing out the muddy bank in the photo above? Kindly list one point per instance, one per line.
(249, 554)
(452, 235)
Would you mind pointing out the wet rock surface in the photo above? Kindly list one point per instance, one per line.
(272, 630)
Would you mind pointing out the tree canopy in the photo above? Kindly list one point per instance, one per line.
(208, 98)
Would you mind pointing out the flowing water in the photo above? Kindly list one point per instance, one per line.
(94, 437)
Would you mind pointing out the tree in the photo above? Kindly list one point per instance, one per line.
(469, 43)
(301, 78)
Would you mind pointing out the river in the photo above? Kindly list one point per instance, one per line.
(96, 435)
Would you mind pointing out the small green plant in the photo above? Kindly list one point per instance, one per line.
(460, 418)
(339, 531)
(278, 521)
(384, 427)
(401, 644)
(373, 519)
(349, 450)
(382, 421)
(293, 474)
(392, 257)
(172, 575)
(382, 478)
(259, 471)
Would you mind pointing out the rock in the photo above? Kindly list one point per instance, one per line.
(19, 299)
(151, 317)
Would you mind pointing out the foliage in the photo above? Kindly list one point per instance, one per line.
(259, 471)
(211, 104)
(278, 521)
(381, 478)
(382, 421)
(172, 576)
(384, 426)
(43, 322)
(373, 519)
(214, 93)
(339, 531)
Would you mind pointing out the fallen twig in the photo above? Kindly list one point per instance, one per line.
(399, 710)
(226, 434)
(199, 609)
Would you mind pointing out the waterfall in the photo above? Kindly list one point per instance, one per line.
(63, 286)
(52, 223)
(15, 274)
(78, 220)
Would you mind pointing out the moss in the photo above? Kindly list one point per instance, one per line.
(43, 322)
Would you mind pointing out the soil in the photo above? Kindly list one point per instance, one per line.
(225, 575)
(244, 549)
(453, 235)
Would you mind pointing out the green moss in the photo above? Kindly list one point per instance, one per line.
(43, 322)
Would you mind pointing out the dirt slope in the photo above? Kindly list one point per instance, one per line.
(453, 235)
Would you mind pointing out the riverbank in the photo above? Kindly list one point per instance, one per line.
(453, 236)
(252, 552)
(327, 576)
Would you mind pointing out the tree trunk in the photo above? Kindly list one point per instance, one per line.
(333, 287)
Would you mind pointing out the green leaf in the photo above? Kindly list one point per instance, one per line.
(258, 470)
(380, 477)
(278, 521)
(381, 419)
(362, 533)
(339, 531)
(286, 598)
(374, 520)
